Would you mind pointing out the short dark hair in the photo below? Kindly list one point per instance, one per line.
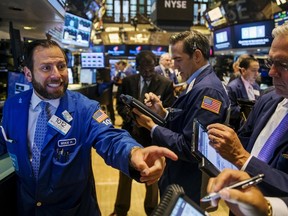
(245, 63)
(192, 40)
(145, 55)
(122, 63)
(30, 47)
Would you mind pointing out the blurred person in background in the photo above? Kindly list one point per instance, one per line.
(165, 68)
(134, 86)
(244, 87)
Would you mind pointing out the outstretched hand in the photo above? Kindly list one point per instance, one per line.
(150, 161)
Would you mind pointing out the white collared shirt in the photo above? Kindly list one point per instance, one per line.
(273, 122)
(247, 85)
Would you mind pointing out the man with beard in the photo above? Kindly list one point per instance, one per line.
(52, 159)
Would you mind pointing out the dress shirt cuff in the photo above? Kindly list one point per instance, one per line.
(246, 163)
(152, 130)
(279, 207)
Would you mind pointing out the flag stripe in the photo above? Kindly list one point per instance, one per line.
(211, 104)
(100, 116)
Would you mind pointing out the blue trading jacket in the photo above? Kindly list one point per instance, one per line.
(66, 184)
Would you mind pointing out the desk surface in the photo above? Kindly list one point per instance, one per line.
(6, 167)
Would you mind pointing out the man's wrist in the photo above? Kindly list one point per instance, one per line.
(131, 153)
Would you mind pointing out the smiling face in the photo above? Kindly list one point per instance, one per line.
(50, 75)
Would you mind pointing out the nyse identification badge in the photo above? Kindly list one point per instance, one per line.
(66, 115)
(211, 104)
(100, 116)
(59, 125)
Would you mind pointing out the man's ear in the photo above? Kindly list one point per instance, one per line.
(28, 74)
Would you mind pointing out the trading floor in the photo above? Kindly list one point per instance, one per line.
(106, 179)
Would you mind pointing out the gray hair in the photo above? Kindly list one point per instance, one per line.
(281, 30)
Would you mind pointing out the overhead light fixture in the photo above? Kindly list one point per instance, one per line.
(28, 27)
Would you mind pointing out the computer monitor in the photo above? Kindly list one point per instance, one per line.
(254, 34)
(133, 50)
(115, 50)
(280, 18)
(70, 76)
(87, 76)
(222, 39)
(76, 30)
(92, 60)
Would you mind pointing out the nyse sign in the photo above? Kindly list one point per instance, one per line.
(175, 4)
(174, 10)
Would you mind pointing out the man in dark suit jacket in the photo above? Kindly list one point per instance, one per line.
(133, 85)
(164, 68)
(243, 87)
(268, 113)
(204, 98)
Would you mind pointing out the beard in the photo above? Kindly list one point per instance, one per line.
(42, 91)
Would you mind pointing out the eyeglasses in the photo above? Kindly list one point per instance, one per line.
(281, 66)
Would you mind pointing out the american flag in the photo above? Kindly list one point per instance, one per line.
(100, 116)
(211, 104)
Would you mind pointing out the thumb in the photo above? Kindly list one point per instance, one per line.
(232, 196)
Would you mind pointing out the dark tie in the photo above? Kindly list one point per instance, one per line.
(40, 133)
(268, 148)
(143, 91)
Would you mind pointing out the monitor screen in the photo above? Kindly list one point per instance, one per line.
(209, 152)
(185, 207)
(159, 50)
(222, 39)
(76, 30)
(203, 151)
(87, 76)
(256, 34)
(135, 49)
(216, 17)
(92, 60)
(70, 75)
(17, 83)
(115, 50)
(280, 18)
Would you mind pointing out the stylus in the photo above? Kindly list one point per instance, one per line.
(239, 185)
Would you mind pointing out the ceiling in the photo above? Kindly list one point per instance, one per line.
(38, 14)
